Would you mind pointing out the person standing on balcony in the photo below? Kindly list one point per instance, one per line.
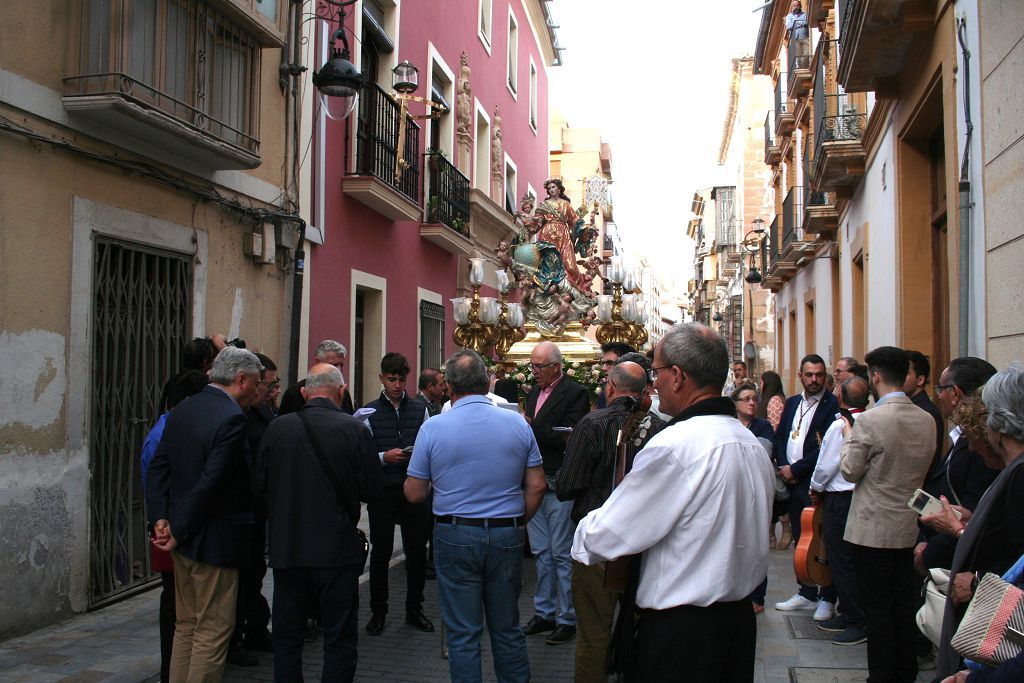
(796, 22)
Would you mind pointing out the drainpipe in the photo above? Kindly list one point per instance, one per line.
(300, 254)
(966, 206)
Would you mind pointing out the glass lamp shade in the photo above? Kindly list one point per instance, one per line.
(460, 310)
(406, 78)
(503, 282)
(615, 269)
(604, 307)
(628, 306)
(339, 83)
(515, 315)
(629, 281)
(488, 310)
(476, 271)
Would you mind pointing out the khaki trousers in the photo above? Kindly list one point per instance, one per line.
(595, 612)
(204, 599)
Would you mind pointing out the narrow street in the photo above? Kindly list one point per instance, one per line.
(120, 644)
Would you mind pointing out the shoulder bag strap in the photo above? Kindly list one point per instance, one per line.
(341, 492)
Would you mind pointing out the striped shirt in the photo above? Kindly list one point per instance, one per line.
(586, 474)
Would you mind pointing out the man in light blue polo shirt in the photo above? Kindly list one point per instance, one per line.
(488, 480)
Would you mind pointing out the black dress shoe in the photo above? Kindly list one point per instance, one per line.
(375, 626)
(417, 619)
(239, 657)
(260, 642)
(563, 633)
(538, 625)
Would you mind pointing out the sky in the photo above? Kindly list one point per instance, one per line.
(653, 76)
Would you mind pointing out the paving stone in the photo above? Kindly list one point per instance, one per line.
(805, 628)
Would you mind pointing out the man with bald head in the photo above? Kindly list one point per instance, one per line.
(315, 466)
(831, 490)
(554, 405)
(591, 458)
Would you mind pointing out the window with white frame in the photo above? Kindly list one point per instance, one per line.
(484, 23)
(533, 95)
(510, 186)
(513, 53)
(482, 142)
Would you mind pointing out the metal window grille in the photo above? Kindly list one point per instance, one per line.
(142, 311)
(431, 335)
(736, 324)
(181, 57)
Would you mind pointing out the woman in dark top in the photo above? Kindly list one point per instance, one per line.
(992, 538)
(745, 398)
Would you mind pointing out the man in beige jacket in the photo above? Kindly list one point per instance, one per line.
(887, 455)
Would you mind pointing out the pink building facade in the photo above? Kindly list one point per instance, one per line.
(394, 252)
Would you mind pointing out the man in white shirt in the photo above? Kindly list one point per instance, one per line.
(831, 490)
(695, 506)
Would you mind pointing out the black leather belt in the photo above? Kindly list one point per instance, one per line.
(476, 521)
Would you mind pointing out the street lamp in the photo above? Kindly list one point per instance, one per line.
(338, 80)
(406, 80)
(752, 243)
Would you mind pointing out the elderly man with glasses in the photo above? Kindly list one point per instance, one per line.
(553, 407)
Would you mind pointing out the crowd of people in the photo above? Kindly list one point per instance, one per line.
(650, 517)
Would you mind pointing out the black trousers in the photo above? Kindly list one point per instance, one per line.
(840, 556)
(388, 509)
(336, 591)
(252, 612)
(698, 644)
(799, 498)
(888, 581)
(168, 617)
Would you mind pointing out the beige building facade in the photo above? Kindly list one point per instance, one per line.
(144, 200)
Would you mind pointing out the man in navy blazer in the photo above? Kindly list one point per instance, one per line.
(553, 407)
(200, 494)
(805, 419)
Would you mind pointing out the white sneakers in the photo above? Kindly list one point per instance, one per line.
(797, 602)
(824, 611)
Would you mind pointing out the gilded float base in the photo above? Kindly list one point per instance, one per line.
(572, 343)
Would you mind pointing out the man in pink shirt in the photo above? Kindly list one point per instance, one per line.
(553, 407)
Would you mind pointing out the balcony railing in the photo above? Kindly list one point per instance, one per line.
(799, 64)
(781, 101)
(377, 142)
(772, 153)
(773, 244)
(792, 217)
(447, 194)
(203, 71)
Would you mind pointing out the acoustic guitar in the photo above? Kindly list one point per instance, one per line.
(810, 561)
(616, 571)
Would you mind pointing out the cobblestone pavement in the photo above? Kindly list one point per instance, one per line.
(120, 643)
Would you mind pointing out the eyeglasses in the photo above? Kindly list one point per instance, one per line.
(540, 366)
(750, 399)
(271, 385)
(655, 369)
(939, 388)
(607, 362)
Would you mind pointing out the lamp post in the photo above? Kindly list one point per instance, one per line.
(752, 243)
(618, 313)
(338, 80)
(405, 81)
(475, 316)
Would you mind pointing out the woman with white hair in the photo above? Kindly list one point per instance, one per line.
(992, 538)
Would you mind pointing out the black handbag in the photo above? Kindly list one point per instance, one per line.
(341, 492)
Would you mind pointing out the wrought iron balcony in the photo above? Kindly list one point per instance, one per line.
(772, 152)
(195, 91)
(799, 64)
(821, 215)
(377, 143)
(447, 194)
(876, 37)
(784, 120)
(770, 258)
(446, 219)
(839, 123)
(773, 244)
(792, 218)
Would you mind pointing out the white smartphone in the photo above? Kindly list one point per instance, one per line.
(923, 503)
(563, 430)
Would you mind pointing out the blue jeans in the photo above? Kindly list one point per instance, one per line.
(551, 531)
(479, 570)
(335, 591)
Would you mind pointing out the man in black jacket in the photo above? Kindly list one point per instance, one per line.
(314, 548)
(805, 419)
(553, 407)
(200, 494)
(332, 353)
(395, 422)
(917, 379)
